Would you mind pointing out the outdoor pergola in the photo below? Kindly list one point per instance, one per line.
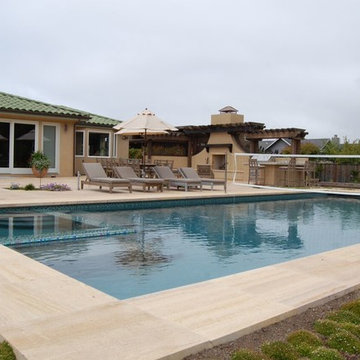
(248, 134)
(295, 134)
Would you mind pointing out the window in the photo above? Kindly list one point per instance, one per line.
(18, 139)
(50, 144)
(24, 144)
(99, 144)
(4, 144)
(114, 145)
(79, 143)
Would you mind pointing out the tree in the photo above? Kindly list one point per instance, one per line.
(286, 150)
(309, 149)
(347, 148)
(305, 149)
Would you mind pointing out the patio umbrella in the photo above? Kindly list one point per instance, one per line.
(144, 124)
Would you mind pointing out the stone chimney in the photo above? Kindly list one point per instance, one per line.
(228, 115)
(335, 140)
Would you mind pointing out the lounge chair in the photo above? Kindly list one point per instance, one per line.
(190, 173)
(165, 173)
(95, 175)
(127, 172)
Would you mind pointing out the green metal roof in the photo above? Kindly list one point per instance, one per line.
(14, 103)
(101, 120)
(94, 119)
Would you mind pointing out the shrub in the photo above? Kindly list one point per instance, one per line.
(344, 342)
(323, 353)
(352, 328)
(310, 149)
(6, 352)
(304, 341)
(39, 161)
(29, 187)
(344, 316)
(55, 187)
(327, 327)
(244, 354)
(135, 153)
(14, 186)
(353, 306)
(279, 350)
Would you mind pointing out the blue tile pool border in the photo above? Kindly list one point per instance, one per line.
(35, 240)
(158, 204)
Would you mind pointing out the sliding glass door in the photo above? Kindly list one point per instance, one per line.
(18, 139)
(4, 145)
(24, 144)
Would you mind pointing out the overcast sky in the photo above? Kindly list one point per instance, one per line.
(284, 63)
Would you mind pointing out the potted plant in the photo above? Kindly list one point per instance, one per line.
(39, 163)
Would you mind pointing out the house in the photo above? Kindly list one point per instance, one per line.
(67, 136)
(276, 146)
(322, 142)
(70, 136)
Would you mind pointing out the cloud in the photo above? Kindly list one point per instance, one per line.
(279, 62)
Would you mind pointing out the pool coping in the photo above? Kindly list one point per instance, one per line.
(169, 201)
(101, 197)
(47, 315)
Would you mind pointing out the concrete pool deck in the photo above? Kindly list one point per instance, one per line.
(47, 315)
(92, 194)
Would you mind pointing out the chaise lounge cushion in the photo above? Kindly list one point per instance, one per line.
(95, 175)
(165, 173)
(188, 172)
(128, 173)
(111, 180)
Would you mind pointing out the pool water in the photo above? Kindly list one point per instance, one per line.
(39, 225)
(183, 245)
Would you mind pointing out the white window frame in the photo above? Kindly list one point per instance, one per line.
(57, 145)
(83, 147)
(11, 169)
(114, 149)
(88, 143)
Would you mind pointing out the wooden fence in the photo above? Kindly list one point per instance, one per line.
(338, 173)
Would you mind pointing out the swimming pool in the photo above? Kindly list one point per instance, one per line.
(170, 247)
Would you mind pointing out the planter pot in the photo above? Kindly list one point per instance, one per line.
(40, 173)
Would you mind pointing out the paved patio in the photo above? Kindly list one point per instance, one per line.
(47, 315)
(93, 194)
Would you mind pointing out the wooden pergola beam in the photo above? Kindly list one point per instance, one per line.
(276, 133)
